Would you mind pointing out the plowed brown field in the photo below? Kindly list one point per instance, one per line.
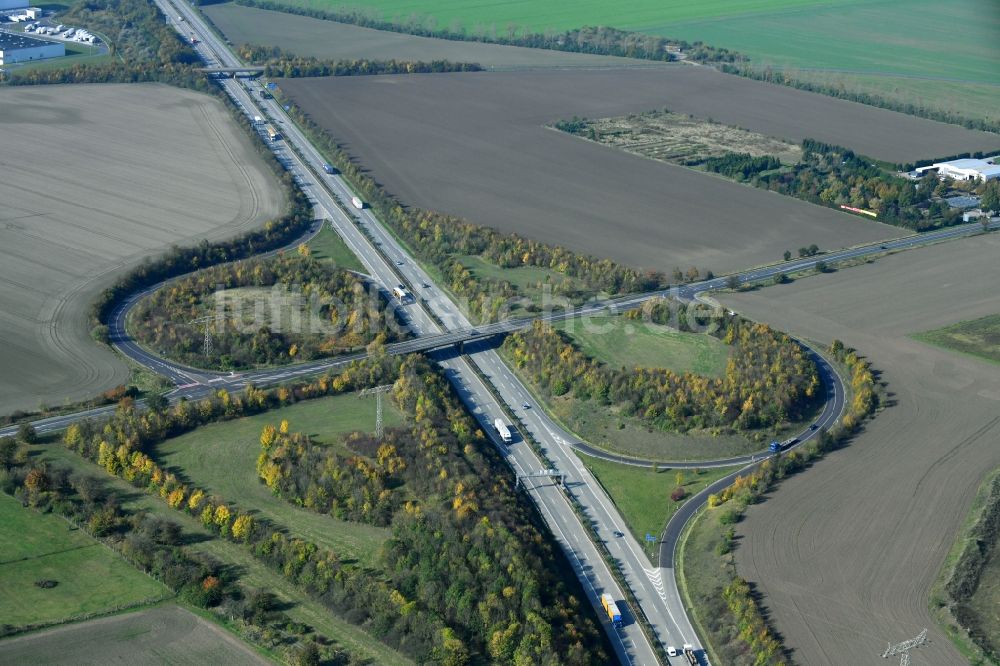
(845, 553)
(476, 145)
(95, 178)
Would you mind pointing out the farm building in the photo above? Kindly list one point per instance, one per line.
(13, 4)
(18, 48)
(968, 169)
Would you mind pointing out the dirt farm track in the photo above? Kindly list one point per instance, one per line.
(96, 177)
(161, 635)
(476, 145)
(845, 553)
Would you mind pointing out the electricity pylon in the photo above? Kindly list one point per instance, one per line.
(207, 344)
(903, 649)
(377, 391)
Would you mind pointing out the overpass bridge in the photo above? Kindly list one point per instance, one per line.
(248, 70)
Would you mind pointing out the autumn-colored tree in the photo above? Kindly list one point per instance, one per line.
(242, 527)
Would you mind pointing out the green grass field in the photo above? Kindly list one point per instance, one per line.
(252, 573)
(222, 458)
(90, 577)
(328, 245)
(621, 342)
(531, 282)
(643, 496)
(979, 337)
(703, 573)
(922, 47)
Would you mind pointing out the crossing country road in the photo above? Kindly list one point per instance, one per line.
(485, 383)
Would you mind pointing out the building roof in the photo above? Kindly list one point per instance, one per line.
(968, 165)
(12, 41)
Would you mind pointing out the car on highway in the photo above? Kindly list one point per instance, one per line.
(399, 263)
(619, 534)
(672, 651)
(814, 426)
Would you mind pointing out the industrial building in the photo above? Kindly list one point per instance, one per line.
(15, 47)
(967, 169)
(13, 4)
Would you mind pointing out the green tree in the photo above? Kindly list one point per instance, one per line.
(788, 255)
(989, 198)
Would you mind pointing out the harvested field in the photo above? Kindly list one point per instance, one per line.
(327, 39)
(685, 140)
(845, 553)
(165, 635)
(475, 145)
(95, 178)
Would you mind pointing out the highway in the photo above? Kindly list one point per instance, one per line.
(387, 263)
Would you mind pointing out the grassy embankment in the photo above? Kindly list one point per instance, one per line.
(222, 459)
(977, 337)
(983, 606)
(89, 577)
(620, 342)
(643, 495)
(891, 48)
(326, 418)
(329, 246)
(703, 572)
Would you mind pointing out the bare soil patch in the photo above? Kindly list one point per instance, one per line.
(476, 145)
(319, 38)
(846, 552)
(165, 635)
(95, 178)
(684, 139)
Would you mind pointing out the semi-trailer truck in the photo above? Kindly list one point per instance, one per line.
(357, 203)
(611, 608)
(777, 447)
(503, 431)
(272, 134)
(689, 654)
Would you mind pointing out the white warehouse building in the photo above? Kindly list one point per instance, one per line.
(15, 47)
(967, 169)
(13, 4)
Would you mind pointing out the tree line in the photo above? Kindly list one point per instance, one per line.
(769, 380)
(468, 574)
(156, 546)
(280, 63)
(321, 311)
(600, 40)
(741, 166)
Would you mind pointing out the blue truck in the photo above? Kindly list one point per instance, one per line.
(778, 447)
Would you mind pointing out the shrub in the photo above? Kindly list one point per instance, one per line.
(678, 494)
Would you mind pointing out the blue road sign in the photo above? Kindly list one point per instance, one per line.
(650, 537)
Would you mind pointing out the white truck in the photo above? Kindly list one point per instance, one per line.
(503, 431)
(401, 293)
(357, 203)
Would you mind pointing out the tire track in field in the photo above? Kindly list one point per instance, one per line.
(951, 453)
